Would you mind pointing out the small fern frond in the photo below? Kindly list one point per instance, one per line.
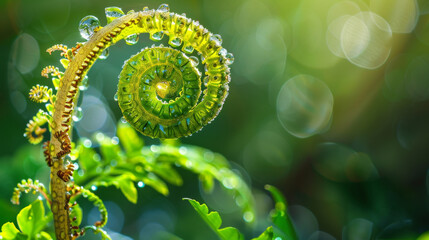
(40, 94)
(58, 47)
(26, 186)
(34, 131)
(54, 71)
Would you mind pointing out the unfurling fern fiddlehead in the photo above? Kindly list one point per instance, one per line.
(159, 88)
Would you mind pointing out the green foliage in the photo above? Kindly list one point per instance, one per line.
(283, 227)
(214, 221)
(153, 166)
(124, 162)
(96, 230)
(266, 235)
(31, 221)
(95, 200)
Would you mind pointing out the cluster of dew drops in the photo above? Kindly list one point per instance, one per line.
(90, 24)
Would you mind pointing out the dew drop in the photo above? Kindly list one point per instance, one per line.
(115, 140)
(188, 49)
(248, 216)
(194, 60)
(217, 38)
(206, 81)
(183, 150)
(145, 9)
(94, 188)
(140, 184)
(154, 148)
(175, 42)
(130, 12)
(113, 13)
(223, 52)
(157, 36)
(88, 25)
(123, 120)
(163, 8)
(229, 58)
(84, 84)
(77, 114)
(87, 143)
(189, 164)
(132, 39)
(104, 54)
(115, 97)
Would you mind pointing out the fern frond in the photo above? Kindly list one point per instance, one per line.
(26, 186)
(81, 191)
(54, 71)
(34, 131)
(40, 94)
(58, 47)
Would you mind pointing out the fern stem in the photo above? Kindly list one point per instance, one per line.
(58, 186)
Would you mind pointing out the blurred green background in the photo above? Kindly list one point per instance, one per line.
(329, 101)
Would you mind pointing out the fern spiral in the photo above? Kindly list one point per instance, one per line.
(159, 90)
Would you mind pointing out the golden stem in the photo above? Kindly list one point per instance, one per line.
(58, 186)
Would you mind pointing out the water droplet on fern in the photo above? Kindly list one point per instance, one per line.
(217, 38)
(132, 39)
(194, 60)
(188, 49)
(115, 97)
(104, 54)
(88, 25)
(229, 58)
(157, 36)
(175, 42)
(84, 84)
(113, 13)
(77, 114)
(163, 8)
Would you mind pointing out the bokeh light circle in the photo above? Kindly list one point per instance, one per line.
(304, 106)
(25, 53)
(358, 228)
(342, 164)
(402, 15)
(366, 40)
(342, 8)
(333, 35)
